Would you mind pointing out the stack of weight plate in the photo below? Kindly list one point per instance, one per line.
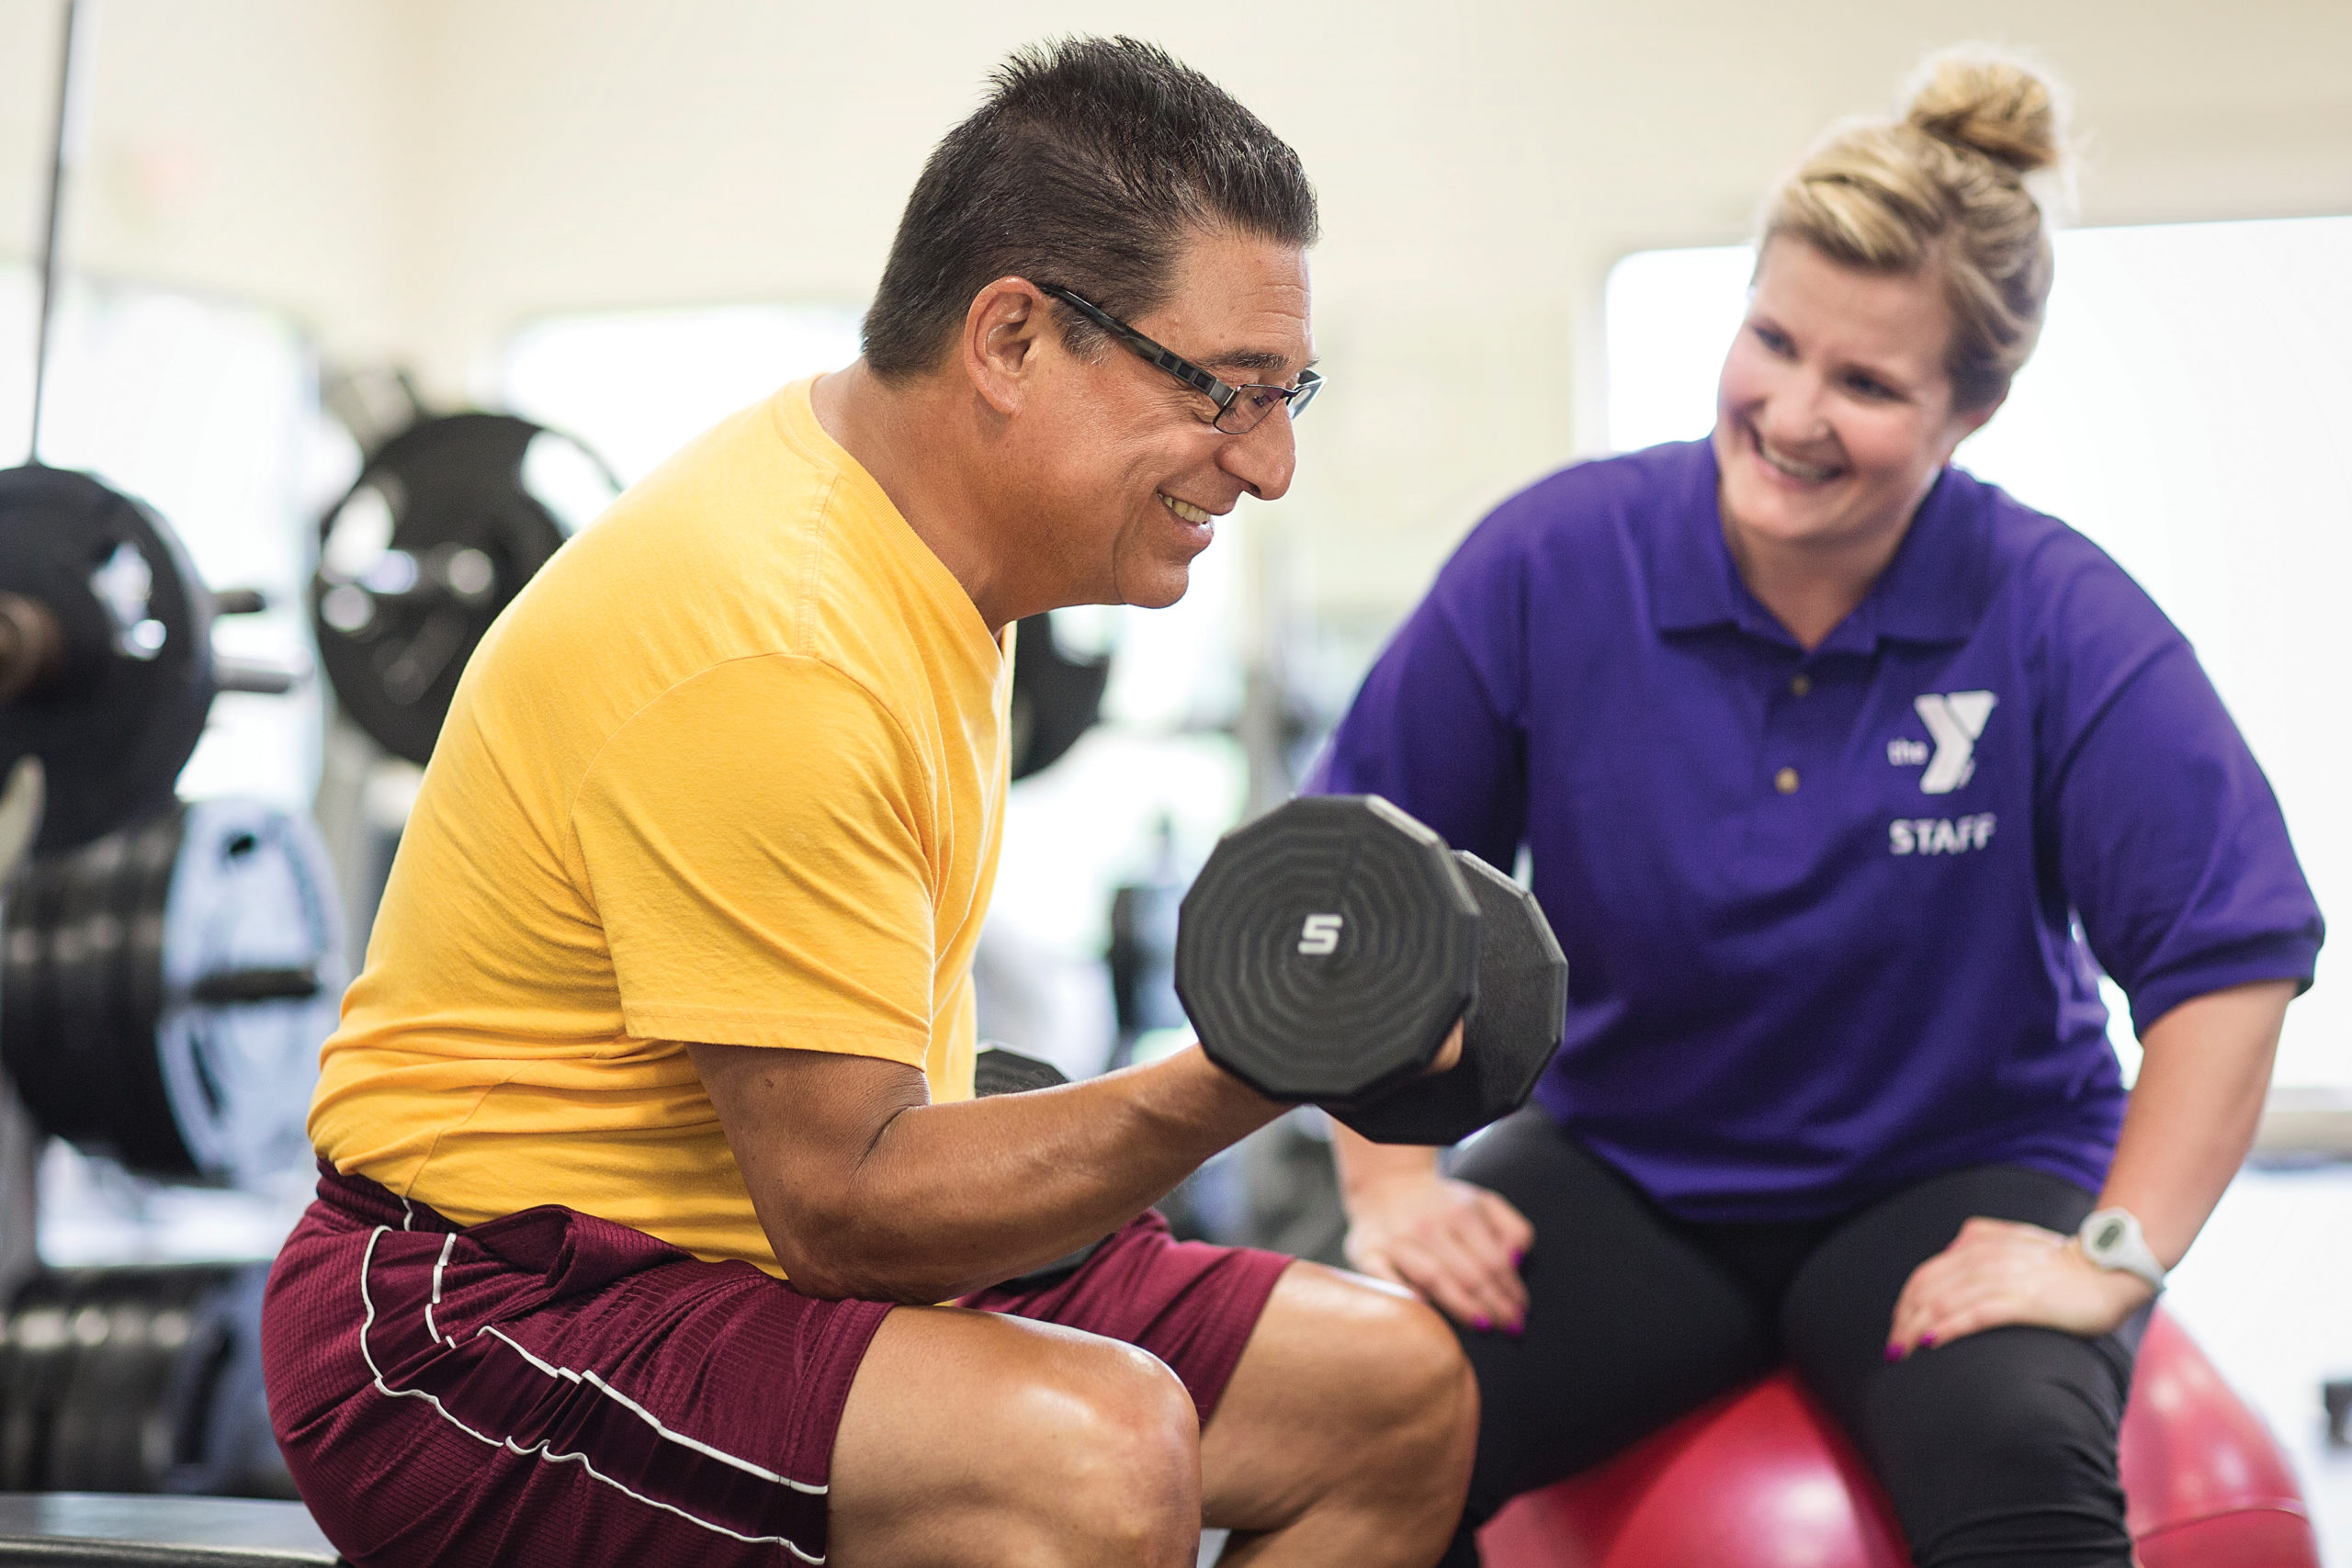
(163, 992)
(138, 1380)
(165, 989)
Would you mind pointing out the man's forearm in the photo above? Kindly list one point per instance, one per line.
(951, 1198)
(2195, 1110)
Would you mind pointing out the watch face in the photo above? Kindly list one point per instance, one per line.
(2109, 1235)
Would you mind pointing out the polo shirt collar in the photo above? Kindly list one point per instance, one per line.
(1933, 591)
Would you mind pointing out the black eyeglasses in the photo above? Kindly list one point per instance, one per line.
(1239, 410)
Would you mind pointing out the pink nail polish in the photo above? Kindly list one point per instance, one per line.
(1481, 1324)
(1518, 1255)
(1927, 1342)
(1895, 1352)
(1518, 1331)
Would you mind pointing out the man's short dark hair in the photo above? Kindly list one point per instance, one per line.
(1088, 165)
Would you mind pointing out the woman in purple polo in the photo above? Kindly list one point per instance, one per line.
(1842, 775)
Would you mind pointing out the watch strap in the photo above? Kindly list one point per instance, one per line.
(2111, 1238)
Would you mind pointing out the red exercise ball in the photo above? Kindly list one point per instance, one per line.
(1764, 1479)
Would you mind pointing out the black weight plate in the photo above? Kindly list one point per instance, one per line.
(18, 1365)
(26, 1007)
(85, 950)
(57, 1030)
(97, 1410)
(1001, 1071)
(157, 1328)
(996, 1070)
(42, 1350)
(114, 728)
(1055, 698)
(112, 1429)
(446, 485)
(132, 1111)
(138, 1378)
(1512, 1031)
(1326, 949)
(154, 854)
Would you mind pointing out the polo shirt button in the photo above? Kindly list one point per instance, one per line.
(1785, 781)
(1800, 684)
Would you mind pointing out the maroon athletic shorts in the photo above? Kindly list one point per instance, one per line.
(553, 1389)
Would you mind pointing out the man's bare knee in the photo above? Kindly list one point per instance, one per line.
(1100, 1462)
(973, 1439)
(1113, 1460)
(1420, 1386)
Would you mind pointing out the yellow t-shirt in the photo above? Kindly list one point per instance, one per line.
(731, 768)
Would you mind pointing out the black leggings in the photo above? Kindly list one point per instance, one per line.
(1998, 1448)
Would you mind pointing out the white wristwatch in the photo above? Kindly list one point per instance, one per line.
(2112, 1239)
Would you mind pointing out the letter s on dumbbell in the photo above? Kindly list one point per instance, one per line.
(1319, 935)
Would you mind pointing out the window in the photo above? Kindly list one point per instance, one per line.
(638, 385)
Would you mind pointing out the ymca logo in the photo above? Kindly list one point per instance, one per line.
(1954, 720)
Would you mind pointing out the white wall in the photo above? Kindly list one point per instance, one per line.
(247, 148)
(419, 176)
(1481, 166)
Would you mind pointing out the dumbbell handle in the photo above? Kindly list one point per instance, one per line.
(32, 646)
(228, 987)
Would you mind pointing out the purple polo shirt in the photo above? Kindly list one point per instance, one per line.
(1834, 921)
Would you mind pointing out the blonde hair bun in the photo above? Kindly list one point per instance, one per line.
(1945, 187)
(1990, 104)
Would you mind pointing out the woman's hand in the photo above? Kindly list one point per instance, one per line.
(1455, 1244)
(1997, 1272)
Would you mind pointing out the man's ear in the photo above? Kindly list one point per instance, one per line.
(1003, 331)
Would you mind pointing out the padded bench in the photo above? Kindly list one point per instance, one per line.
(93, 1529)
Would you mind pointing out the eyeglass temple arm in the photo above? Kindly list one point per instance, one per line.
(1167, 359)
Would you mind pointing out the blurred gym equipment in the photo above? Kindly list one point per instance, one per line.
(163, 990)
(166, 975)
(445, 524)
(1056, 696)
(164, 966)
(1764, 1479)
(138, 1380)
(1141, 953)
(106, 668)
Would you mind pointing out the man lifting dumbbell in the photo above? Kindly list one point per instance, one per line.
(670, 994)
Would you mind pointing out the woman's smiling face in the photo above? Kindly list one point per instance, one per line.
(1834, 411)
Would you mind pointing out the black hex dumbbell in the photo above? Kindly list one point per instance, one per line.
(1326, 949)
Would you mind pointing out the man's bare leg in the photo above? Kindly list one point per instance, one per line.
(1347, 1433)
(974, 1437)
